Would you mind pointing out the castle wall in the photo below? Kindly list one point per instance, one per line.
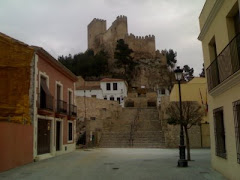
(100, 38)
(143, 47)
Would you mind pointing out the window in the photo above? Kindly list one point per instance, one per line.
(105, 97)
(163, 91)
(118, 99)
(94, 96)
(70, 131)
(70, 107)
(93, 118)
(114, 86)
(220, 143)
(236, 109)
(69, 97)
(212, 49)
(111, 98)
(108, 86)
(45, 97)
(233, 24)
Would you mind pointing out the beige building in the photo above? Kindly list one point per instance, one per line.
(195, 90)
(219, 24)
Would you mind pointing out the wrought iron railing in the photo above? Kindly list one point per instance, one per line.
(72, 111)
(61, 106)
(45, 101)
(225, 65)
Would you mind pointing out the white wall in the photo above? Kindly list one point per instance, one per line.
(89, 93)
(121, 91)
(160, 94)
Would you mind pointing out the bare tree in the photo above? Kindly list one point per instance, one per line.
(192, 114)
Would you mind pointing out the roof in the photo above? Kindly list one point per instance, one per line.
(111, 80)
(12, 39)
(56, 63)
(198, 80)
(88, 88)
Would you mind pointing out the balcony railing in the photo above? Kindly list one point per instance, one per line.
(72, 110)
(225, 65)
(45, 102)
(61, 107)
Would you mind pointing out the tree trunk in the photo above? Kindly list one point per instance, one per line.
(187, 144)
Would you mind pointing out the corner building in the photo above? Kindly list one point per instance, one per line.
(55, 113)
(220, 27)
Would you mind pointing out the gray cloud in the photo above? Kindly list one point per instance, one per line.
(60, 26)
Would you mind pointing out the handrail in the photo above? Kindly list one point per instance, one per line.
(72, 111)
(225, 65)
(61, 106)
(45, 101)
(133, 128)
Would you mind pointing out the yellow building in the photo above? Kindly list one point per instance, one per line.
(220, 27)
(195, 90)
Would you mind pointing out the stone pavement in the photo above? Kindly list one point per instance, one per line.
(117, 163)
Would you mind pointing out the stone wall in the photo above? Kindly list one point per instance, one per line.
(141, 100)
(15, 77)
(92, 113)
(197, 139)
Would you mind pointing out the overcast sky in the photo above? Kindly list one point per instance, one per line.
(60, 26)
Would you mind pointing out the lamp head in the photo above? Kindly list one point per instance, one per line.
(178, 73)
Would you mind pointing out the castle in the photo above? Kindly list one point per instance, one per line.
(99, 37)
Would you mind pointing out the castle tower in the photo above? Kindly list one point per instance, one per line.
(119, 28)
(95, 28)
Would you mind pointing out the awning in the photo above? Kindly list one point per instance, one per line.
(44, 86)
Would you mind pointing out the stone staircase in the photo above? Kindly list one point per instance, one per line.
(135, 127)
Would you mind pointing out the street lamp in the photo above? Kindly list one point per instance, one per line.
(182, 162)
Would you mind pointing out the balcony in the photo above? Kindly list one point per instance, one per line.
(225, 66)
(61, 107)
(72, 110)
(45, 103)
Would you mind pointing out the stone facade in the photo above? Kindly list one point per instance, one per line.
(141, 100)
(92, 114)
(172, 132)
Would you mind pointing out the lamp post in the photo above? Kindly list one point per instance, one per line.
(182, 162)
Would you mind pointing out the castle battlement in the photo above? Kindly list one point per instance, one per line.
(120, 18)
(148, 37)
(96, 20)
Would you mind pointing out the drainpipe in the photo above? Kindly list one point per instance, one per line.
(34, 104)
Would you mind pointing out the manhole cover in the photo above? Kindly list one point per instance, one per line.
(115, 168)
(204, 172)
(146, 160)
(108, 163)
(86, 150)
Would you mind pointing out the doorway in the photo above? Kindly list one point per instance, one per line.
(44, 134)
(58, 135)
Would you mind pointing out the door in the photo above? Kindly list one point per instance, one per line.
(44, 129)
(58, 136)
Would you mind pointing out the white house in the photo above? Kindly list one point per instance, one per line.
(162, 91)
(114, 89)
(89, 91)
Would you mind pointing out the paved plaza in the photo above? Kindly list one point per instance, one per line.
(117, 163)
